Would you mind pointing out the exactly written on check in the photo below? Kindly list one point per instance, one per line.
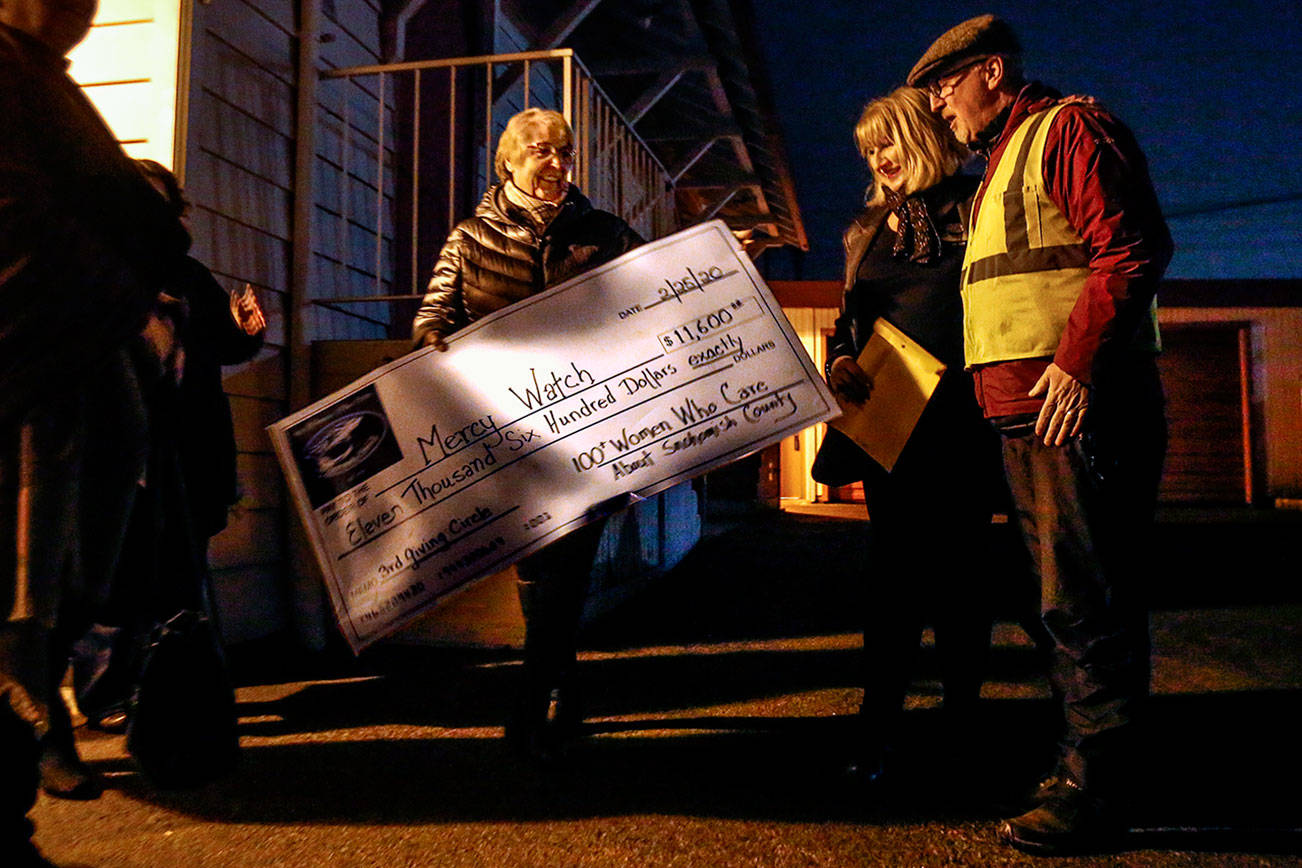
(440, 468)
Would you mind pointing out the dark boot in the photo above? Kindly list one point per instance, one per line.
(871, 766)
(553, 587)
(890, 648)
(547, 711)
(1065, 819)
(63, 774)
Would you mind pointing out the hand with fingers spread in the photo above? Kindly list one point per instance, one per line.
(1066, 400)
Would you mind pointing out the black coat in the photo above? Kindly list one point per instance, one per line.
(950, 204)
(951, 451)
(496, 258)
(85, 245)
(85, 241)
(205, 434)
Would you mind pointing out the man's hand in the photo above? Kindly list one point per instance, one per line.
(1066, 399)
(849, 381)
(435, 340)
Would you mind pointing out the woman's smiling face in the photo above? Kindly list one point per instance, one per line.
(544, 164)
(887, 167)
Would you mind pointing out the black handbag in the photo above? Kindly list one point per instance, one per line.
(840, 461)
(182, 728)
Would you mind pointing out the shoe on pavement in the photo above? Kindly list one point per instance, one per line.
(542, 731)
(114, 721)
(1065, 819)
(65, 776)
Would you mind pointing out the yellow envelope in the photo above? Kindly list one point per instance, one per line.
(904, 376)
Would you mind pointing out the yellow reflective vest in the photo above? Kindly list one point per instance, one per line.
(1025, 265)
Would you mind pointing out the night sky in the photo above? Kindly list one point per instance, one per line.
(1212, 91)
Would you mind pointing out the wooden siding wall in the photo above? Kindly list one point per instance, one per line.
(1203, 373)
(1195, 406)
(1275, 389)
(354, 219)
(544, 86)
(239, 177)
(544, 78)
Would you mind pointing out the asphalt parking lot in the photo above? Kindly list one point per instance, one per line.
(718, 704)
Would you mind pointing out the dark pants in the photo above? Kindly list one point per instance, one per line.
(39, 464)
(162, 570)
(920, 577)
(1085, 510)
(930, 522)
(67, 480)
(553, 586)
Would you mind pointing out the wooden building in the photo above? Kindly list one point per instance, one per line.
(328, 145)
(1231, 366)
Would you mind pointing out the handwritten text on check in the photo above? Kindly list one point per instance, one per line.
(440, 468)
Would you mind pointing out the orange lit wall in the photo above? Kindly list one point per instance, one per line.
(128, 66)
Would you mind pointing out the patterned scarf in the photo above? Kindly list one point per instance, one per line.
(538, 212)
(916, 236)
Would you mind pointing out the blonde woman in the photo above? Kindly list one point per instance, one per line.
(929, 514)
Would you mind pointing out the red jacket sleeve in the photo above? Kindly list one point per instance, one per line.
(1095, 172)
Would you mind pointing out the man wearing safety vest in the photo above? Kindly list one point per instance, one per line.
(1066, 247)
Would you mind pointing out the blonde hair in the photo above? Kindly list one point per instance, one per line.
(928, 151)
(515, 138)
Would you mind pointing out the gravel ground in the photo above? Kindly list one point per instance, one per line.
(718, 709)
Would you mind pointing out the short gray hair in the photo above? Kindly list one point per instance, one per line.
(515, 137)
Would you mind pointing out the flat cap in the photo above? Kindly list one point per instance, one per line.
(976, 37)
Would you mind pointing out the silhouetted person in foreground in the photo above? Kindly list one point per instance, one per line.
(192, 438)
(85, 246)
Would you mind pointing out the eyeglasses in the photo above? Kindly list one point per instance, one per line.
(944, 86)
(544, 151)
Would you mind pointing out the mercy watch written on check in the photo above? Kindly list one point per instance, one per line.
(440, 468)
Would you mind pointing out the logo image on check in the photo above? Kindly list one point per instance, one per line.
(343, 444)
(346, 443)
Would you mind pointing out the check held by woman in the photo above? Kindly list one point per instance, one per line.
(532, 230)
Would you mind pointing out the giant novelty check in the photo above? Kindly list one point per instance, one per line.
(442, 467)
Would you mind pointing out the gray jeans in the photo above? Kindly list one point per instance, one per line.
(1085, 511)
